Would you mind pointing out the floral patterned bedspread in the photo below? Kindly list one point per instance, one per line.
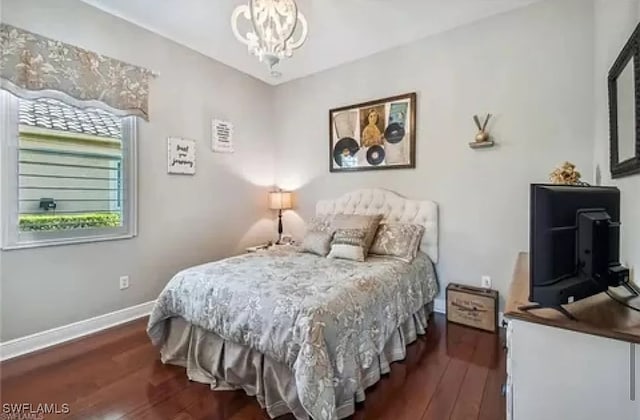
(324, 318)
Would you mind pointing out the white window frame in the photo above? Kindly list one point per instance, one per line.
(12, 238)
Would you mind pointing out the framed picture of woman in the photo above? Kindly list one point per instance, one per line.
(379, 134)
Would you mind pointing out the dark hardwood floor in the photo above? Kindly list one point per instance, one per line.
(451, 373)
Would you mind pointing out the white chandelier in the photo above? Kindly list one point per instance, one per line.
(273, 27)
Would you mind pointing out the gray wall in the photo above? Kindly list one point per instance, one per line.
(183, 220)
(532, 68)
(615, 21)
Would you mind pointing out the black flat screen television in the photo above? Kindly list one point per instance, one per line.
(574, 243)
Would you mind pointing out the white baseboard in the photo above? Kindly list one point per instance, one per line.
(30, 343)
(439, 306)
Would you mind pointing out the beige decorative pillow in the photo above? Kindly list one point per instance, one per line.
(318, 243)
(400, 241)
(358, 221)
(348, 244)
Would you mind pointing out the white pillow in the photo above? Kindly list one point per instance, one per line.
(349, 244)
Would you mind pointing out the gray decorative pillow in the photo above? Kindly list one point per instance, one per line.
(400, 241)
(320, 224)
(358, 221)
(318, 243)
(349, 244)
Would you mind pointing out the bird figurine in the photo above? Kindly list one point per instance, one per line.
(482, 135)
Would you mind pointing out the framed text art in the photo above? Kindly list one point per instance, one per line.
(221, 136)
(378, 134)
(181, 156)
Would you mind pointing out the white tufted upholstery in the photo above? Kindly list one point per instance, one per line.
(394, 208)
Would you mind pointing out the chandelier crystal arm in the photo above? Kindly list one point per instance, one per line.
(246, 13)
(303, 35)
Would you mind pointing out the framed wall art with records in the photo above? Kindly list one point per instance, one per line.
(378, 134)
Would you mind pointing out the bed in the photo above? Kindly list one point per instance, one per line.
(304, 334)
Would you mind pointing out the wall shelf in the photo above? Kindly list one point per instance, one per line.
(481, 145)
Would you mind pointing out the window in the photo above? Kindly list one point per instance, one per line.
(68, 174)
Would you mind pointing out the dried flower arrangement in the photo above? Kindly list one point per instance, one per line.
(566, 174)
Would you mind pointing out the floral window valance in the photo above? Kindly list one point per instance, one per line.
(32, 66)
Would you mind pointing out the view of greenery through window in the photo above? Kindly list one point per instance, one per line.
(70, 171)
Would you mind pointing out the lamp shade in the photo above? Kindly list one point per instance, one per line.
(280, 200)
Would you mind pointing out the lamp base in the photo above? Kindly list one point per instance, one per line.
(279, 241)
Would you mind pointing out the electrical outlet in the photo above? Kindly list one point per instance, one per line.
(486, 282)
(124, 282)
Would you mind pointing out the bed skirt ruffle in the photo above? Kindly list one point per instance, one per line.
(225, 365)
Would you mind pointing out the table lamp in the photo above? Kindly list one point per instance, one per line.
(280, 200)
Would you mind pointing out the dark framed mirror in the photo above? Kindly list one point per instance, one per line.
(624, 109)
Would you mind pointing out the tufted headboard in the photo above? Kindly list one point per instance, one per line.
(394, 208)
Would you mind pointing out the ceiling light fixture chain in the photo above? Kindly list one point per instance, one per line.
(277, 28)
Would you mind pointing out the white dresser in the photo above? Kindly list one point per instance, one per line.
(559, 369)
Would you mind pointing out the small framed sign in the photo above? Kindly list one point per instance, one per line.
(221, 136)
(181, 156)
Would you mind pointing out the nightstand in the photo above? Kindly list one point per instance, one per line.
(281, 247)
(257, 248)
(270, 247)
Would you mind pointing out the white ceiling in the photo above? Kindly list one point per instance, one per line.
(339, 30)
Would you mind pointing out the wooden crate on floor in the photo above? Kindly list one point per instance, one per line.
(472, 306)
